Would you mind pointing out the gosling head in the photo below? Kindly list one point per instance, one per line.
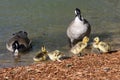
(85, 39)
(43, 49)
(96, 39)
(57, 52)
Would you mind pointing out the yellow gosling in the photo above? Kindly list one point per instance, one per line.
(42, 55)
(80, 46)
(55, 55)
(101, 46)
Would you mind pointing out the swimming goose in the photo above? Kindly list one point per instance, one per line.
(19, 42)
(42, 55)
(101, 46)
(78, 29)
(80, 46)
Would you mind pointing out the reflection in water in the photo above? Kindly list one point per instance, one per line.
(46, 22)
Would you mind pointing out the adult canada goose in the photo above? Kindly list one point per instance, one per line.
(78, 29)
(19, 42)
(101, 46)
(80, 46)
(42, 55)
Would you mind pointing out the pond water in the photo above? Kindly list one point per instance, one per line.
(46, 22)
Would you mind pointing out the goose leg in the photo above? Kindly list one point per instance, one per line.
(70, 43)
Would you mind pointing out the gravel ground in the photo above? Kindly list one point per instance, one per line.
(89, 67)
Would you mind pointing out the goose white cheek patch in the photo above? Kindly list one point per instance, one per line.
(16, 53)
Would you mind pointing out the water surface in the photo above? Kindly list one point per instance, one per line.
(46, 22)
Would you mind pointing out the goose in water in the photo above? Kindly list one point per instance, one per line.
(19, 42)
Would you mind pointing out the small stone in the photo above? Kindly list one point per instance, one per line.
(6, 78)
(106, 69)
(68, 65)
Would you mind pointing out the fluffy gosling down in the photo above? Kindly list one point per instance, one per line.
(80, 46)
(101, 46)
(42, 55)
(55, 55)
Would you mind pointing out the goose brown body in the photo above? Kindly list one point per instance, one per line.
(20, 40)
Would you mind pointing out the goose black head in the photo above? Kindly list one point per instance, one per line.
(77, 12)
(15, 47)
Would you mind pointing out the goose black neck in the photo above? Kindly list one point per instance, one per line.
(78, 13)
(15, 45)
(79, 16)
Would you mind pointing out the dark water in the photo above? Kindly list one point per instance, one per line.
(46, 22)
